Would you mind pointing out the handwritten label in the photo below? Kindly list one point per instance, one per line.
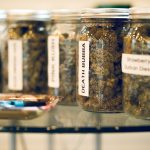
(53, 61)
(136, 64)
(15, 69)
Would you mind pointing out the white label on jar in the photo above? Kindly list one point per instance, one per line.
(53, 61)
(15, 68)
(136, 64)
(83, 74)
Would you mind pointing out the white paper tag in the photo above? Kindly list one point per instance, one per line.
(53, 61)
(83, 74)
(15, 69)
(136, 64)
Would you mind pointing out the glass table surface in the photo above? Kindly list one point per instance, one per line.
(72, 119)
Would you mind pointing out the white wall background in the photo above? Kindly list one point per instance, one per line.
(46, 4)
(132, 141)
(118, 141)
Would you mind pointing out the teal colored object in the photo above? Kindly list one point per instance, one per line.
(17, 103)
(20, 103)
(11, 103)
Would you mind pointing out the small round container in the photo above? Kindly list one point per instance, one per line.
(135, 64)
(99, 59)
(24, 58)
(62, 46)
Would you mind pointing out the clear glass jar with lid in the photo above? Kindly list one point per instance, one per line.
(136, 64)
(99, 59)
(24, 59)
(62, 45)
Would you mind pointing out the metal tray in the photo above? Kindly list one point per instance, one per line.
(23, 106)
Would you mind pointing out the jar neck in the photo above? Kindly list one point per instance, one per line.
(103, 20)
(64, 27)
(138, 23)
(65, 21)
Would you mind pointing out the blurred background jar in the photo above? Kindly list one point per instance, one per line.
(99, 59)
(136, 64)
(24, 58)
(62, 45)
(3, 29)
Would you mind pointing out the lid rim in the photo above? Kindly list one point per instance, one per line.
(66, 14)
(26, 14)
(139, 10)
(105, 12)
(3, 14)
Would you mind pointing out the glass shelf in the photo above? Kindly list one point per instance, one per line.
(71, 119)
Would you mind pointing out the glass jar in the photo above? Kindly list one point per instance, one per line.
(62, 45)
(99, 59)
(3, 28)
(24, 58)
(136, 64)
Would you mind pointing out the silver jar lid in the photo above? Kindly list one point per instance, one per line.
(25, 14)
(65, 14)
(3, 15)
(139, 13)
(105, 13)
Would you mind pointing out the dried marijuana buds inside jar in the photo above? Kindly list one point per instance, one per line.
(136, 64)
(62, 45)
(99, 59)
(24, 59)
